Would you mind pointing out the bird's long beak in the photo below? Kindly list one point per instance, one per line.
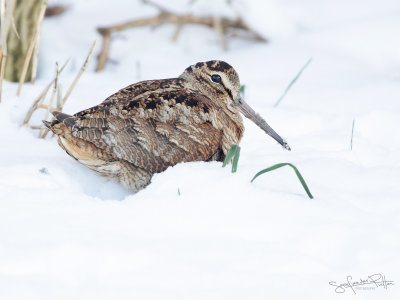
(248, 112)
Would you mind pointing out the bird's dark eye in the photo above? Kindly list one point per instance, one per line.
(216, 78)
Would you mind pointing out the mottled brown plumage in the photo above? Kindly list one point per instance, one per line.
(151, 125)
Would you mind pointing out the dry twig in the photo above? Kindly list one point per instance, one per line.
(55, 10)
(221, 25)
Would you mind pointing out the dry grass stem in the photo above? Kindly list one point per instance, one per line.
(177, 32)
(3, 43)
(56, 95)
(352, 134)
(6, 20)
(14, 27)
(84, 66)
(2, 70)
(43, 133)
(39, 100)
(51, 108)
(36, 104)
(222, 26)
(35, 61)
(36, 50)
(59, 98)
(105, 49)
(34, 41)
(219, 29)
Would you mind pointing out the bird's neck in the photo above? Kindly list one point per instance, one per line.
(232, 128)
(226, 119)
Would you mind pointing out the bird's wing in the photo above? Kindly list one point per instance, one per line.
(152, 131)
(137, 89)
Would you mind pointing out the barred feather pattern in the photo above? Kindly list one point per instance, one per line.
(146, 127)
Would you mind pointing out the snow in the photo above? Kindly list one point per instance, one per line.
(199, 231)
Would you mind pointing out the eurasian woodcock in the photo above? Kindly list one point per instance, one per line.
(148, 126)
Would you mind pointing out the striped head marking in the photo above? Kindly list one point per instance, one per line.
(216, 79)
(219, 81)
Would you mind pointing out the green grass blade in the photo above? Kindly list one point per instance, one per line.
(292, 82)
(352, 133)
(242, 88)
(229, 155)
(234, 153)
(235, 160)
(277, 166)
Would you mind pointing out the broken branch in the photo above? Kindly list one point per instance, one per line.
(220, 24)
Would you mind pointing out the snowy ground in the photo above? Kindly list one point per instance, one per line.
(66, 233)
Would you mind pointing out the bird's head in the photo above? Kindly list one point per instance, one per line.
(219, 81)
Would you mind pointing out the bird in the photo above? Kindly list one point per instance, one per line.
(151, 125)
